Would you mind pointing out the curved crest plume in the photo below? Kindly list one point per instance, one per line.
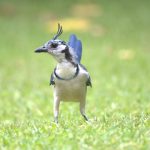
(59, 32)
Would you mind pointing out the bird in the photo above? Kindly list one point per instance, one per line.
(69, 78)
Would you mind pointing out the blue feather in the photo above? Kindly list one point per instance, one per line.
(72, 41)
(76, 45)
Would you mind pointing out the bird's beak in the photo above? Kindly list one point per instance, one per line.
(41, 49)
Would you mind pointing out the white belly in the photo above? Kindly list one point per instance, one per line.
(72, 90)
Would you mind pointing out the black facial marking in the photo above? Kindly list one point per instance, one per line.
(67, 54)
(54, 45)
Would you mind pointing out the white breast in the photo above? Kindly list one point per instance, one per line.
(71, 90)
(65, 70)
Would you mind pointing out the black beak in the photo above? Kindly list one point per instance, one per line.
(41, 49)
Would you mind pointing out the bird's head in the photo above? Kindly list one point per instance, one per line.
(59, 49)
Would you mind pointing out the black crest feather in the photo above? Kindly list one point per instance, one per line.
(59, 32)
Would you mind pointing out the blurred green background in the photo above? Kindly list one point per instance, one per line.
(116, 50)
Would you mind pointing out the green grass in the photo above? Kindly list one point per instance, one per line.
(116, 53)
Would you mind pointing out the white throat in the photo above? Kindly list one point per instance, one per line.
(65, 69)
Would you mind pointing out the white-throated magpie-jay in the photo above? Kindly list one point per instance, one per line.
(70, 78)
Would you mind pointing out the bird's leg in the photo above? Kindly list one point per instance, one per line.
(56, 109)
(82, 110)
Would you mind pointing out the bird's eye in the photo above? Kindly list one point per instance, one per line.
(54, 45)
(63, 42)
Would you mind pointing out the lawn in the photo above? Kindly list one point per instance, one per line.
(116, 50)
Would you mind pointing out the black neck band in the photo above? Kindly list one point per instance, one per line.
(75, 75)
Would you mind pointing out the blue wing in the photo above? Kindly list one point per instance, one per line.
(76, 45)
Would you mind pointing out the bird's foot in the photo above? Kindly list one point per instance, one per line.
(56, 120)
(85, 117)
